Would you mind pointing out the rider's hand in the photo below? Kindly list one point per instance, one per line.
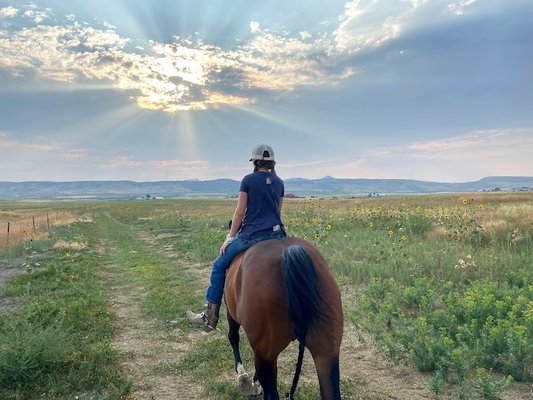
(226, 243)
(223, 247)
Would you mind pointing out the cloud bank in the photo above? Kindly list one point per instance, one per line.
(188, 74)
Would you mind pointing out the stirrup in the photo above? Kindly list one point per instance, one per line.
(200, 321)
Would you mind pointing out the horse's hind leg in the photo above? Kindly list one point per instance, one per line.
(327, 368)
(267, 371)
(247, 387)
(234, 338)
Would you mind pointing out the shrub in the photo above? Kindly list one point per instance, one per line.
(29, 352)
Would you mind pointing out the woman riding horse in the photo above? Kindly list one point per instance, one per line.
(257, 217)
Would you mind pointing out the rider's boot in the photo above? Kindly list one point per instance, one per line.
(208, 319)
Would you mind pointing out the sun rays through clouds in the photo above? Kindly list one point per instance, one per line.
(176, 89)
(186, 74)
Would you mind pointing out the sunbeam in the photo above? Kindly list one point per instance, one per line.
(281, 118)
(182, 126)
(29, 87)
(97, 130)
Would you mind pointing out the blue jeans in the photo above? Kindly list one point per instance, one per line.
(222, 262)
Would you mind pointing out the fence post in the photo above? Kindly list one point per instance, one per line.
(47, 221)
(33, 220)
(8, 225)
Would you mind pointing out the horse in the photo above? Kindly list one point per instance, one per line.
(282, 290)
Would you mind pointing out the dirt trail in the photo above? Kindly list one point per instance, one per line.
(148, 354)
(145, 354)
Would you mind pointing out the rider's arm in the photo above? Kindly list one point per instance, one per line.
(236, 221)
(238, 215)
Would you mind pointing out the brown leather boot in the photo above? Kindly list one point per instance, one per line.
(208, 319)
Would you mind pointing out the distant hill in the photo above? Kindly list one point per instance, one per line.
(326, 187)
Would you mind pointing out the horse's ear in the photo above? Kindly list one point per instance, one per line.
(229, 223)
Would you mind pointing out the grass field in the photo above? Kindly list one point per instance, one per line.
(440, 284)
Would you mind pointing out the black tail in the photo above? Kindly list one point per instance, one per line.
(304, 302)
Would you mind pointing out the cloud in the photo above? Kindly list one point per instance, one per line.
(183, 75)
(304, 35)
(255, 27)
(36, 16)
(338, 168)
(8, 12)
(276, 62)
(7, 143)
(60, 150)
(474, 145)
(470, 156)
(148, 169)
(369, 24)
(173, 76)
(189, 74)
(458, 8)
(169, 77)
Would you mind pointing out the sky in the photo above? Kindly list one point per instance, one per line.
(144, 90)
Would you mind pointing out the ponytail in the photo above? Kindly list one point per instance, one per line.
(269, 164)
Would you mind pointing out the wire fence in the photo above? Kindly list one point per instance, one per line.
(34, 228)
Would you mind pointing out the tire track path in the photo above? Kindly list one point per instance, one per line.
(149, 353)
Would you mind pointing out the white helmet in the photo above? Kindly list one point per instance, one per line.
(262, 152)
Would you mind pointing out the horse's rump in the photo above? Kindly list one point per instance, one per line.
(280, 290)
(254, 290)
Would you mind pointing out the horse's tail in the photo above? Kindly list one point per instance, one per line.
(304, 303)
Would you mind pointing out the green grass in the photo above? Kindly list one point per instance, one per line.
(447, 288)
(58, 341)
(166, 288)
(443, 283)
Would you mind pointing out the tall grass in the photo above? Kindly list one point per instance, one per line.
(16, 229)
(445, 285)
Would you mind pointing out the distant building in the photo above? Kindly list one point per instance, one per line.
(150, 197)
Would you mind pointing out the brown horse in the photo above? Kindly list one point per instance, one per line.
(278, 291)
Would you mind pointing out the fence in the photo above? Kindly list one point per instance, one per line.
(36, 227)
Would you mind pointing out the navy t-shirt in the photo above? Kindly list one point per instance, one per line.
(262, 213)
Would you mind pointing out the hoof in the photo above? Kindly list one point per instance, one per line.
(247, 387)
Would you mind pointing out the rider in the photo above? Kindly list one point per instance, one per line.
(257, 217)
